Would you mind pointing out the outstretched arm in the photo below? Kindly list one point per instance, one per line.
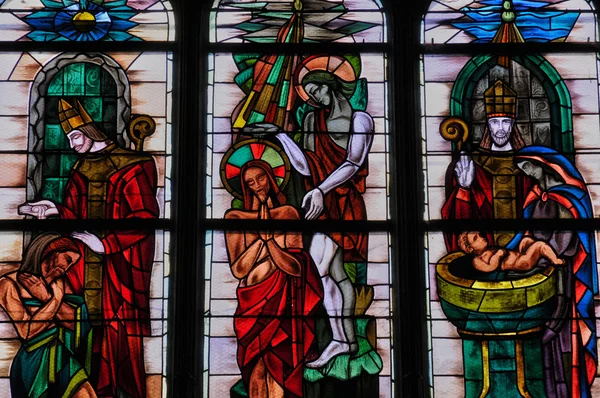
(358, 149)
(359, 146)
(295, 154)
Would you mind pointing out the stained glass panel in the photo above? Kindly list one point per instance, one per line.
(93, 20)
(322, 21)
(511, 138)
(235, 103)
(468, 21)
(86, 136)
(297, 137)
(238, 317)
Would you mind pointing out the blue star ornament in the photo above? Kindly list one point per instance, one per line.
(82, 21)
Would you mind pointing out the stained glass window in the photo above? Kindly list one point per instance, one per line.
(510, 142)
(86, 155)
(297, 288)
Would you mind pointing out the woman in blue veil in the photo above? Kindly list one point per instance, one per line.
(570, 353)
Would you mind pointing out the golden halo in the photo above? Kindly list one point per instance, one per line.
(339, 66)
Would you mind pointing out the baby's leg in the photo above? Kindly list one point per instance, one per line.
(525, 243)
(535, 251)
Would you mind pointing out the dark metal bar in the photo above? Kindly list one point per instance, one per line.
(509, 48)
(590, 224)
(298, 225)
(184, 334)
(86, 47)
(78, 225)
(300, 48)
(410, 324)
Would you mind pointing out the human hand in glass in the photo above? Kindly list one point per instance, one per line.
(90, 240)
(58, 288)
(35, 286)
(313, 204)
(263, 214)
(41, 209)
(261, 130)
(465, 170)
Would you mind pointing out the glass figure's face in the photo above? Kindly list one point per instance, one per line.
(258, 182)
(80, 142)
(500, 129)
(320, 93)
(531, 170)
(477, 242)
(59, 264)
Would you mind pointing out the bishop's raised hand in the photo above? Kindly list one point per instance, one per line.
(465, 171)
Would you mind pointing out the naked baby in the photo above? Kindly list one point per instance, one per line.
(488, 259)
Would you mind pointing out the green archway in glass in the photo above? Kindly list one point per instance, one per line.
(558, 95)
(96, 89)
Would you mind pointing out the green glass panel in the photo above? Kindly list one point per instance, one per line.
(563, 95)
(473, 360)
(66, 164)
(473, 389)
(56, 85)
(52, 165)
(74, 79)
(109, 110)
(502, 349)
(262, 39)
(565, 115)
(502, 365)
(549, 70)
(256, 118)
(356, 27)
(274, 76)
(360, 98)
(479, 322)
(357, 272)
(504, 385)
(285, 91)
(109, 129)
(93, 79)
(93, 106)
(53, 189)
(108, 85)
(241, 156)
(251, 27)
(52, 110)
(533, 358)
(55, 137)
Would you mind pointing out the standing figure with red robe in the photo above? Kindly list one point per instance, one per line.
(487, 184)
(333, 160)
(108, 182)
(278, 294)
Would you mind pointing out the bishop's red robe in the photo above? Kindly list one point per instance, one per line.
(477, 202)
(344, 202)
(121, 184)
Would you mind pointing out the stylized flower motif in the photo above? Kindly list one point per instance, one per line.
(83, 20)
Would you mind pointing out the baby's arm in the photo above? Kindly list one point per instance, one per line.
(492, 263)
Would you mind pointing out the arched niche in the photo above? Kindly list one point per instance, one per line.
(462, 100)
(38, 106)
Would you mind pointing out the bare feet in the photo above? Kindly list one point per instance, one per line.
(334, 349)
